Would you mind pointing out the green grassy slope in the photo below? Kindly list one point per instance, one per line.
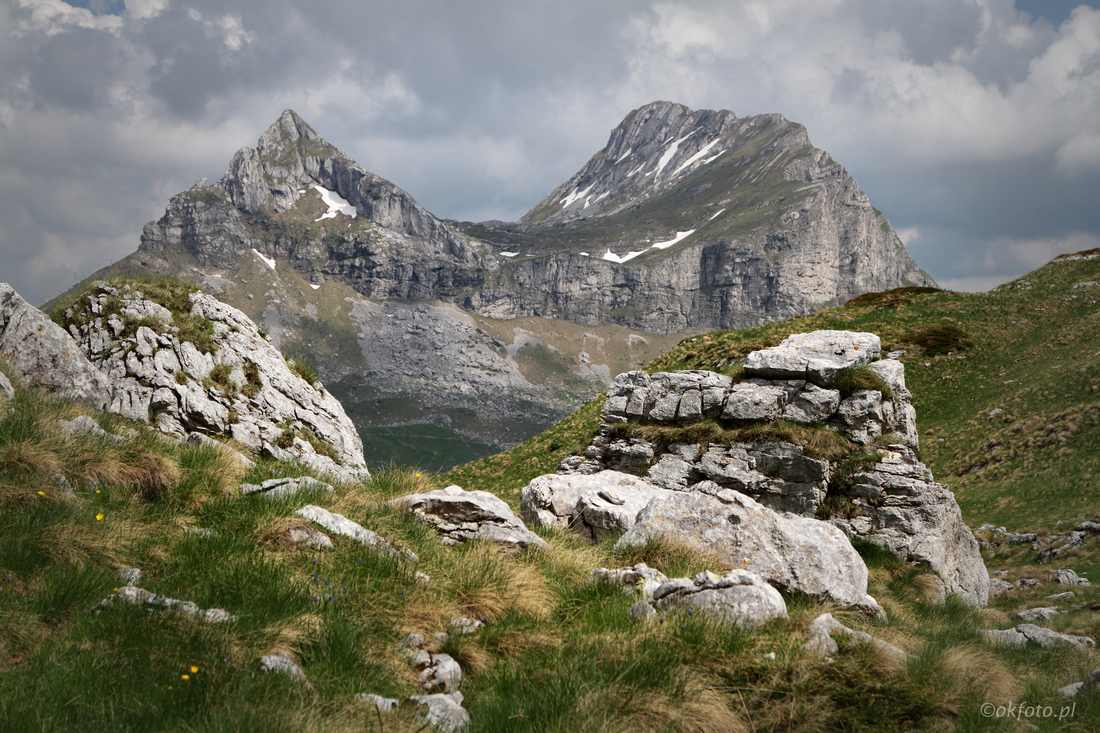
(558, 652)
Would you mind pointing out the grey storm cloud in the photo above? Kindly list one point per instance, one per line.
(974, 125)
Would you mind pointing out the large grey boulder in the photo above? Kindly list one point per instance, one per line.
(738, 597)
(820, 357)
(441, 711)
(903, 510)
(41, 354)
(467, 515)
(791, 552)
(595, 504)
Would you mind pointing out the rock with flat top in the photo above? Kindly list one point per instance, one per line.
(820, 356)
(595, 505)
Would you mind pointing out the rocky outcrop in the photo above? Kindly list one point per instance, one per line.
(883, 494)
(461, 516)
(896, 504)
(43, 355)
(206, 369)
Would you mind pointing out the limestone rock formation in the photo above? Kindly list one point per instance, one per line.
(341, 525)
(897, 505)
(738, 597)
(883, 494)
(207, 369)
(1024, 634)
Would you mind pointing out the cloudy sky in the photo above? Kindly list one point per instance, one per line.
(974, 125)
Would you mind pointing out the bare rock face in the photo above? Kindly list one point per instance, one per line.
(234, 384)
(790, 552)
(42, 354)
(900, 508)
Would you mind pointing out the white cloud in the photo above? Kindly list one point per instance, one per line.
(908, 234)
(54, 16)
(230, 28)
(143, 9)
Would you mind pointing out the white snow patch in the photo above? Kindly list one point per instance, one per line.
(680, 236)
(695, 157)
(712, 158)
(624, 156)
(270, 262)
(575, 196)
(612, 257)
(628, 175)
(715, 214)
(335, 203)
(508, 254)
(584, 254)
(669, 154)
(315, 287)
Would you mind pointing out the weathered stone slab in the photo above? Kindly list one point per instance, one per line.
(339, 524)
(820, 356)
(820, 639)
(594, 505)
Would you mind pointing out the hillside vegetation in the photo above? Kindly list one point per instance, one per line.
(557, 652)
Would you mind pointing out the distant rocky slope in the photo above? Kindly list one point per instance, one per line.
(685, 221)
(166, 354)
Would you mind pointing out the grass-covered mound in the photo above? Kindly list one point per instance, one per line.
(557, 652)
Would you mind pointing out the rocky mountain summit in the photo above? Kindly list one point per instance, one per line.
(686, 220)
(187, 364)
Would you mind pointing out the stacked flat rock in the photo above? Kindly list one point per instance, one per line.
(820, 357)
(793, 384)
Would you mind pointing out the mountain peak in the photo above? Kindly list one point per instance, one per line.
(655, 145)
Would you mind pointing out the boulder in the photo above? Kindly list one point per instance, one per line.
(132, 595)
(739, 597)
(284, 665)
(900, 508)
(824, 627)
(792, 553)
(5, 386)
(467, 515)
(43, 355)
(820, 357)
(1066, 577)
(444, 712)
(594, 505)
(339, 524)
(1039, 614)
